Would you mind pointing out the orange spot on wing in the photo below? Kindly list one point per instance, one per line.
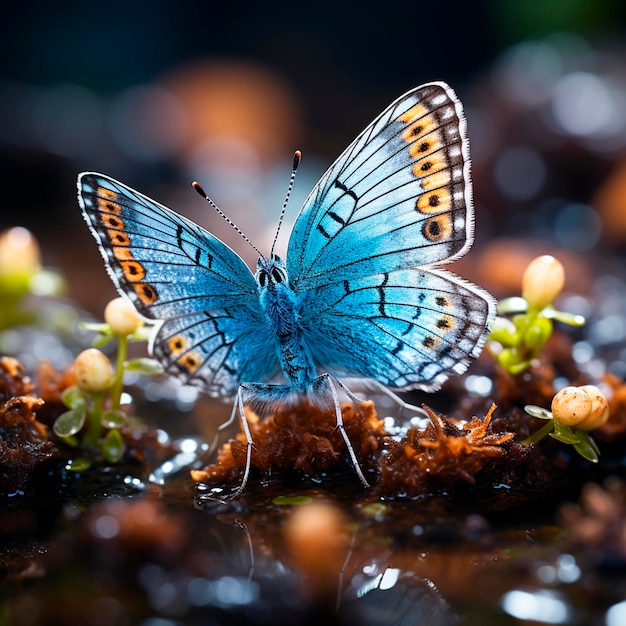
(438, 228)
(118, 238)
(438, 201)
(123, 253)
(446, 322)
(133, 271)
(108, 206)
(113, 221)
(146, 293)
(420, 128)
(436, 180)
(424, 145)
(416, 111)
(177, 344)
(430, 342)
(430, 164)
(107, 193)
(190, 361)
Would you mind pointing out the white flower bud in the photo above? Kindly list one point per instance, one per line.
(599, 414)
(543, 281)
(19, 252)
(93, 371)
(122, 317)
(580, 407)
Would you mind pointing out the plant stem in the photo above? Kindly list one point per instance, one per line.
(116, 390)
(95, 421)
(538, 435)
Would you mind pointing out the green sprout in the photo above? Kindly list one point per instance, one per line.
(575, 411)
(94, 416)
(517, 339)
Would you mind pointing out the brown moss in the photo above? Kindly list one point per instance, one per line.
(447, 456)
(13, 379)
(304, 439)
(24, 443)
(444, 453)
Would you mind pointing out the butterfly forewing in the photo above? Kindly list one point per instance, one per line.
(167, 265)
(399, 196)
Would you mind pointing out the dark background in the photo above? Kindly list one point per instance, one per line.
(251, 82)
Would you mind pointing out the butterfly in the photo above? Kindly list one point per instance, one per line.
(360, 295)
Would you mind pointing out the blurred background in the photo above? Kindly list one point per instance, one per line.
(158, 94)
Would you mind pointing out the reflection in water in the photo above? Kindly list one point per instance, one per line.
(538, 605)
(400, 599)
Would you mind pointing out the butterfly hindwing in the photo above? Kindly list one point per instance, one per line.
(216, 350)
(405, 329)
(399, 196)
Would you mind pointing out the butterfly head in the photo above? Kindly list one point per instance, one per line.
(271, 272)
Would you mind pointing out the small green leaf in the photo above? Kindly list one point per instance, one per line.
(144, 365)
(73, 398)
(97, 327)
(564, 433)
(586, 446)
(98, 342)
(70, 422)
(79, 464)
(538, 411)
(113, 419)
(71, 441)
(113, 446)
(564, 317)
(538, 333)
(508, 306)
(283, 500)
(513, 360)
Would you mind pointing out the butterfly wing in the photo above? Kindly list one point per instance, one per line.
(408, 328)
(398, 198)
(174, 270)
(399, 195)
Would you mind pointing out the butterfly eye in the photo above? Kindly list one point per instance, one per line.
(277, 275)
(262, 278)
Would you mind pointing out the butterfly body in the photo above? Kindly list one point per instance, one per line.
(281, 307)
(361, 294)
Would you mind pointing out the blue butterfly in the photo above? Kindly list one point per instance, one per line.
(361, 293)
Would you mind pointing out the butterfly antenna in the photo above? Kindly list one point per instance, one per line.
(203, 193)
(294, 168)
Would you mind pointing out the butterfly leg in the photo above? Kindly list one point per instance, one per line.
(246, 392)
(327, 382)
(246, 429)
(404, 406)
(222, 427)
